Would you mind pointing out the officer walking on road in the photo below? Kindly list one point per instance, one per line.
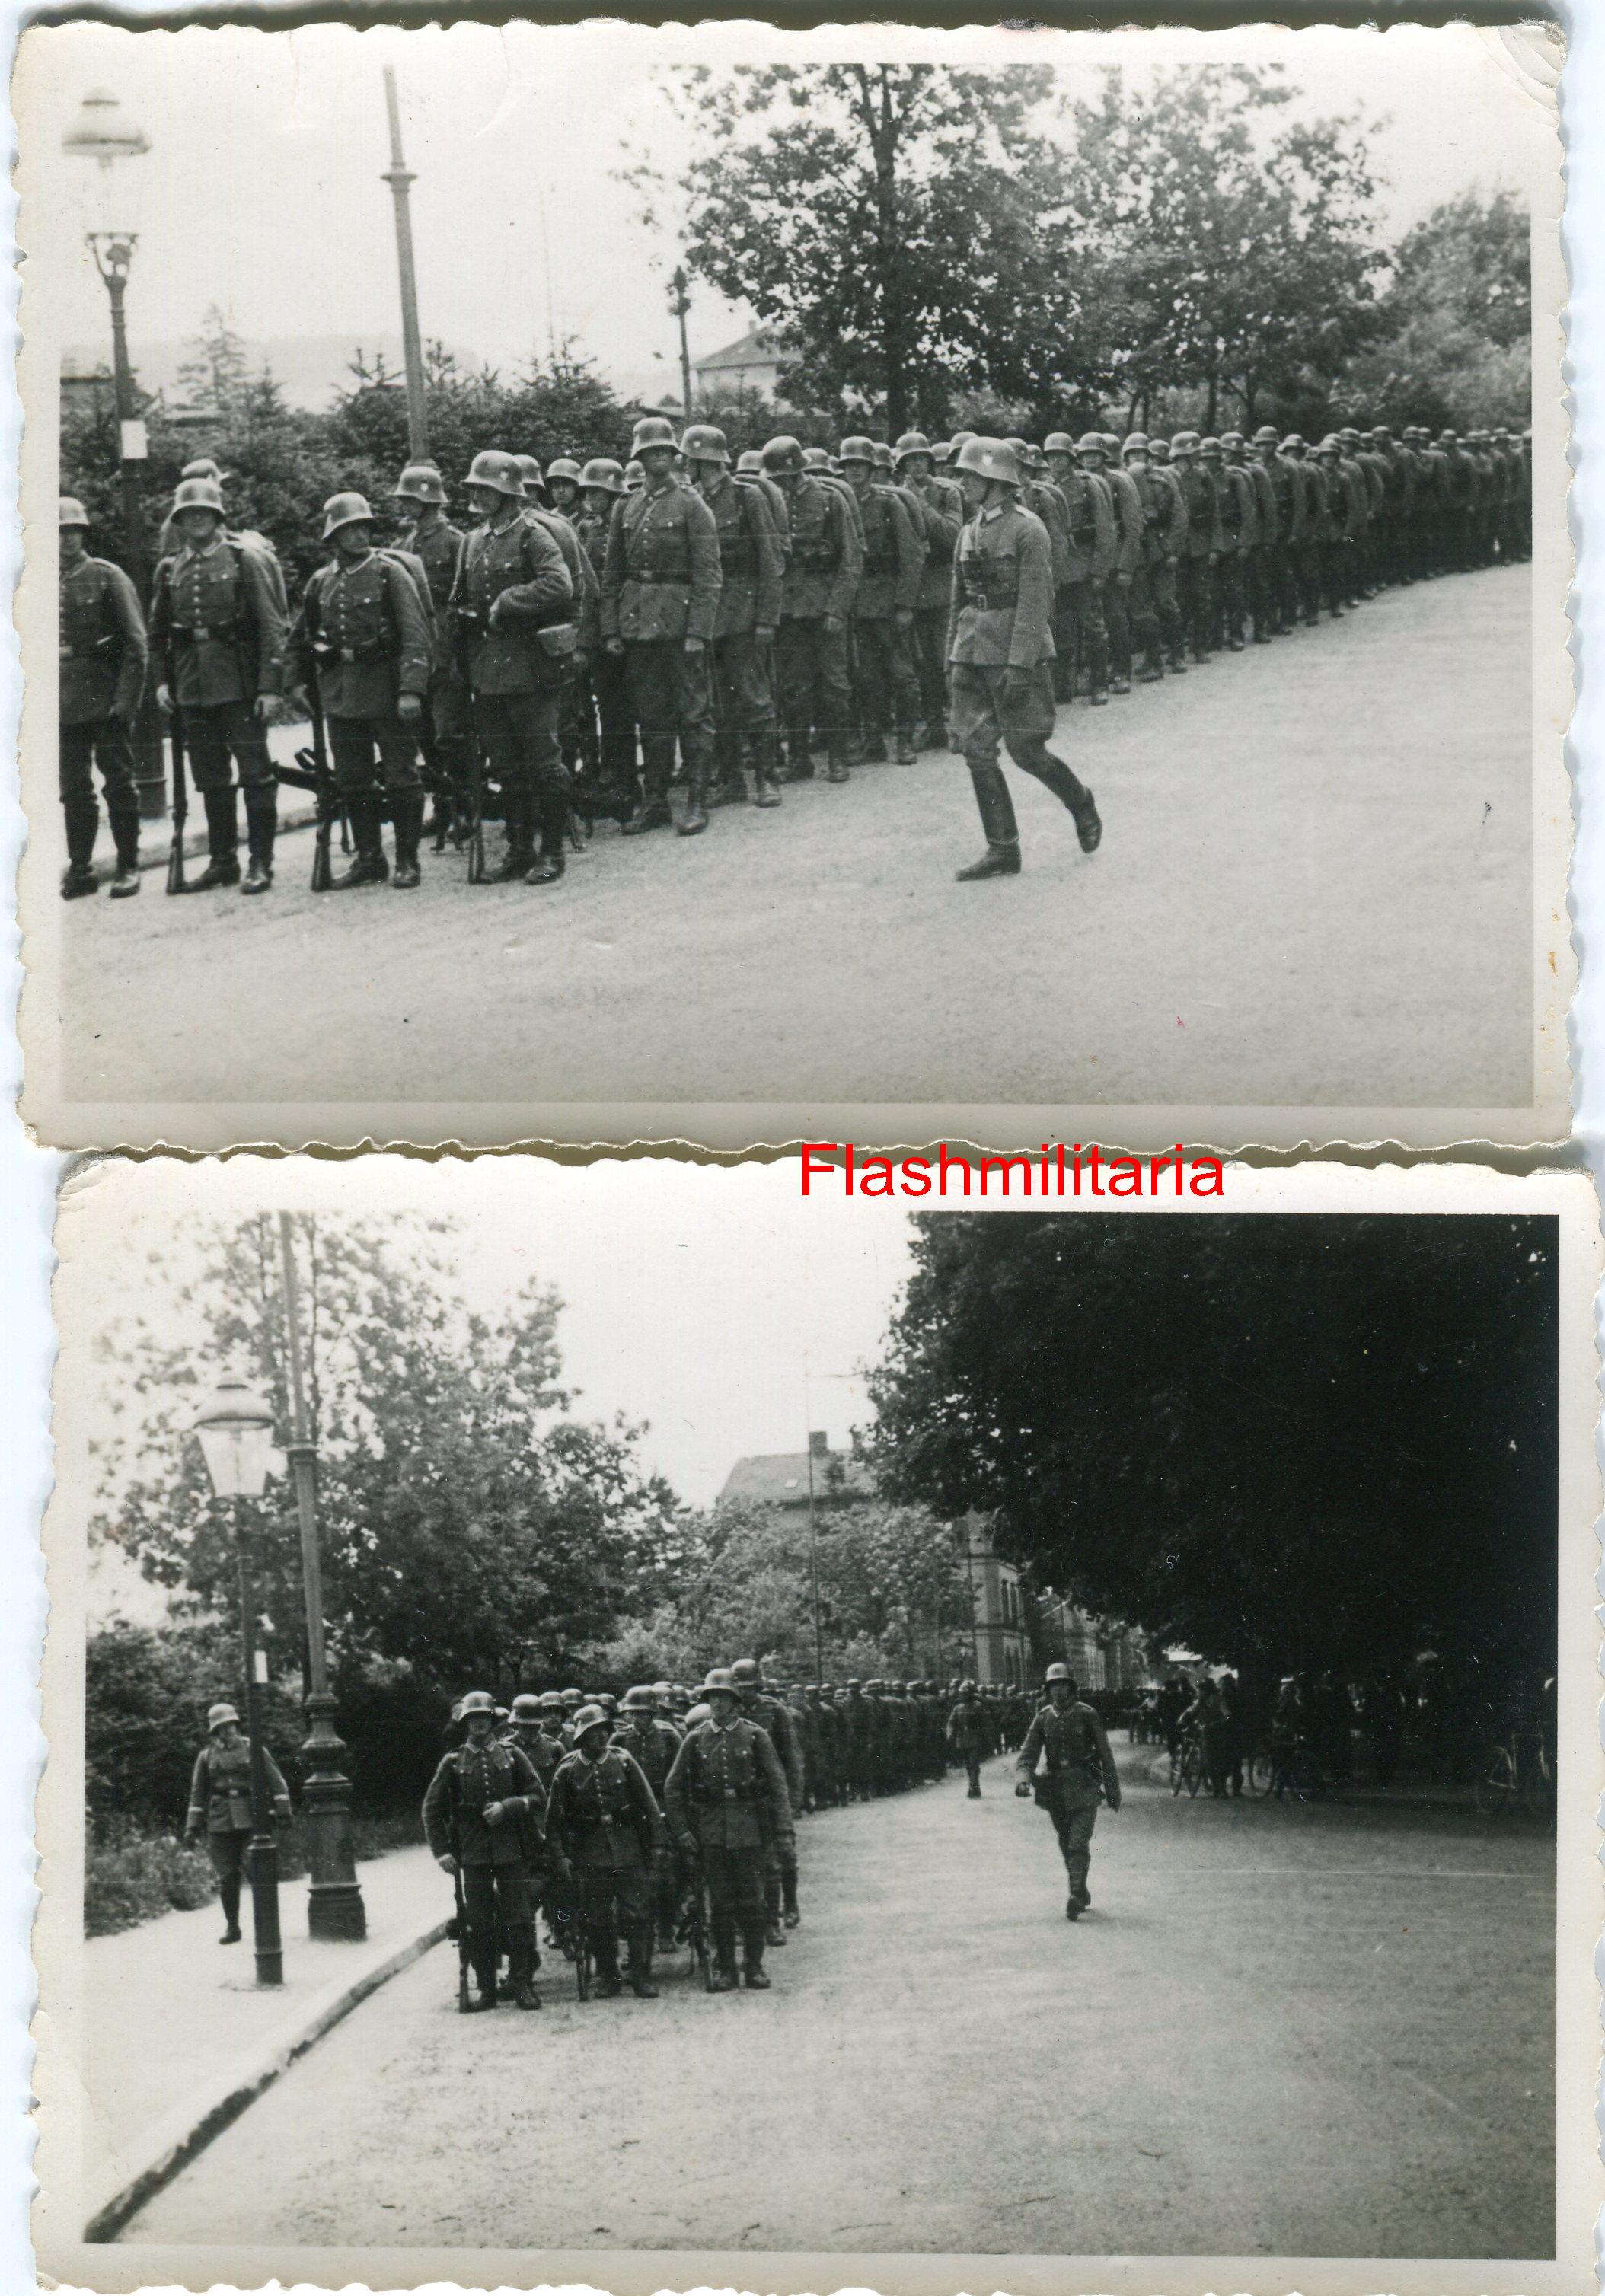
(1070, 1742)
(219, 1806)
(968, 1730)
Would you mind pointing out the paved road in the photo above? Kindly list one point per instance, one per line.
(1317, 865)
(1279, 2030)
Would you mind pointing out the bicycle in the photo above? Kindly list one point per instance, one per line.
(1187, 1764)
(1521, 1766)
(1260, 1771)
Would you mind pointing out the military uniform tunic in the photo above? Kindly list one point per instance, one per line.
(511, 583)
(103, 656)
(363, 632)
(217, 627)
(1071, 1747)
(661, 584)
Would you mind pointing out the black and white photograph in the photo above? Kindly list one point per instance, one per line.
(627, 583)
(615, 1724)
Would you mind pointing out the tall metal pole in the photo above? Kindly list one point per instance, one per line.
(264, 1846)
(335, 1906)
(113, 253)
(401, 181)
(681, 305)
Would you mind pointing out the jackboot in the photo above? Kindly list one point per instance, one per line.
(724, 1979)
(640, 1977)
(754, 1977)
(369, 864)
(261, 825)
(607, 1986)
(518, 812)
(1001, 858)
(125, 833)
(550, 864)
(657, 764)
(408, 813)
(695, 819)
(730, 786)
(222, 842)
(800, 765)
(904, 750)
(229, 1894)
(773, 1933)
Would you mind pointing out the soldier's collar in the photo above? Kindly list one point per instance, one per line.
(190, 551)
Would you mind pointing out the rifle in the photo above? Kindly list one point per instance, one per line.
(476, 769)
(312, 771)
(176, 881)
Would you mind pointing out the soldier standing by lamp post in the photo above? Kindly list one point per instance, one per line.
(235, 1428)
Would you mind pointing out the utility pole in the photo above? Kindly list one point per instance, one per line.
(401, 181)
(679, 307)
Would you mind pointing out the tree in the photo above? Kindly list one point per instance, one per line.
(216, 374)
(1456, 320)
(884, 218)
(1309, 1441)
(474, 1531)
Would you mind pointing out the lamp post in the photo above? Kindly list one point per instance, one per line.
(335, 1906)
(679, 306)
(101, 134)
(401, 180)
(235, 1428)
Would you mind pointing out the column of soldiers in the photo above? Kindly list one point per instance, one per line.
(596, 634)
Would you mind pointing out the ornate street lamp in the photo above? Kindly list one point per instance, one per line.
(102, 134)
(234, 1429)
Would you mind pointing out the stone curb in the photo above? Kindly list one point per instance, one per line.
(187, 2131)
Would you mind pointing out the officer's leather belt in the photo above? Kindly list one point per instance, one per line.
(657, 580)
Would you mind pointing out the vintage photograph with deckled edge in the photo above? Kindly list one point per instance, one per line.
(556, 1675)
(737, 586)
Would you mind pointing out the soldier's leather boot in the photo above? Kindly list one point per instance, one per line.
(408, 813)
(607, 1986)
(800, 765)
(903, 750)
(78, 880)
(524, 1996)
(754, 1977)
(723, 1979)
(653, 811)
(1001, 858)
(695, 819)
(550, 864)
(792, 1916)
(81, 815)
(1073, 1907)
(124, 833)
(836, 767)
(223, 841)
(1099, 697)
(518, 814)
(730, 788)
(640, 1979)
(228, 1893)
(773, 1934)
(369, 864)
(485, 1998)
(766, 770)
(262, 826)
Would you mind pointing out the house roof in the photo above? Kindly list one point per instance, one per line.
(781, 1478)
(757, 348)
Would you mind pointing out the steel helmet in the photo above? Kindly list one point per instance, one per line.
(1330, 445)
(814, 458)
(1184, 442)
(661, 1690)
(203, 467)
(990, 458)
(717, 1677)
(1232, 438)
(421, 482)
(1293, 444)
(216, 1715)
(746, 1673)
(749, 463)
(1136, 443)
(960, 438)
(198, 493)
(784, 455)
(1349, 435)
(1160, 450)
(1090, 442)
(572, 1697)
(477, 1702)
(605, 1698)
(564, 467)
(696, 1715)
(883, 456)
(551, 1701)
(704, 442)
(529, 471)
(653, 430)
(498, 472)
(1058, 442)
(912, 442)
(589, 1717)
(1265, 436)
(635, 477)
(1060, 1672)
(602, 472)
(1210, 447)
(857, 450)
(525, 1707)
(939, 453)
(72, 513)
(345, 510)
(1448, 438)
(638, 1700)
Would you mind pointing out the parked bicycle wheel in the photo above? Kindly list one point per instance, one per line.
(1538, 1785)
(1192, 1767)
(1496, 1782)
(1262, 1773)
(582, 1965)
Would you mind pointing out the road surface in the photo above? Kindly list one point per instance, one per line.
(1281, 2031)
(1317, 865)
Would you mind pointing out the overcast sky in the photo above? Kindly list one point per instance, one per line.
(262, 194)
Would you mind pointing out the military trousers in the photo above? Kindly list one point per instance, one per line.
(605, 702)
(220, 736)
(670, 696)
(501, 1916)
(614, 1901)
(735, 1879)
(885, 691)
(743, 700)
(1118, 621)
(930, 664)
(1074, 1809)
(1196, 592)
(103, 742)
(1156, 615)
(985, 713)
(1232, 598)
(371, 753)
(814, 692)
(518, 733)
(1080, 639)
(449, 729)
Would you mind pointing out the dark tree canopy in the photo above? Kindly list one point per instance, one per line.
(1306, 1441)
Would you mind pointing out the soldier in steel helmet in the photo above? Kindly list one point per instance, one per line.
(219, 633)
(968, 1730)
(1066, 1761)
(1259, 552)
(741, 656)
(944, 506)
(420, 498)
(728, 1801)
(1239, 530)
(772, 1715)
(1099, 455)
(484, 1817)
(605, 688)
(1155, 613)
(644, 1733)
(512, 611)
(661, 584)
(1202, 546)
(1000, 648)
(104, 657)
(219, 1807)
(885, 694)
(606, 1817)
(363, 636)
(820, 582)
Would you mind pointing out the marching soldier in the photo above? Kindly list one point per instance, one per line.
(968, 1731)
(526, 1729)
(539, 508)
(511, 610)
(602, 485)
(1001, 647)
(774, 1715)
(1155, 612)
(482, 1817)
(1240, 532)
(742, 656)
(820, 583)
(653, 1742)
(1201, 551)
(420, 495)
(103, 659)
(943, 507)
(1070, 1742)
(1310, 526)
(886, 696)
(660, 605)
(1099, 457)
(361, 635)
(563, 480)
(605, 1815)
(219, 633)
(1260, 554)
(727, 1803)
(1081, 635)
(219, 1807)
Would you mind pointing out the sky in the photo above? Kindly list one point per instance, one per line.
(263, 192)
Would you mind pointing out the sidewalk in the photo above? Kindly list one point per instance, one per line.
(183, 2038)
(1410, 1792)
